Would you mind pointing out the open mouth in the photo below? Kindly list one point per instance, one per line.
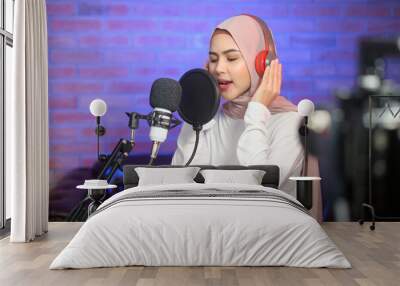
(224, 84)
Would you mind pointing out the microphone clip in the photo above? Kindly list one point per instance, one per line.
(162, 119)
(133, 124)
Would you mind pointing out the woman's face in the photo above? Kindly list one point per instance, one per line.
(228, 66)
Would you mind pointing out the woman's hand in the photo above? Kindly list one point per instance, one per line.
(270, 86)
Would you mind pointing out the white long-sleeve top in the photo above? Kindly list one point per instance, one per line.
(261, 138)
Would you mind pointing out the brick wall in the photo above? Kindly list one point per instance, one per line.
(115, 49)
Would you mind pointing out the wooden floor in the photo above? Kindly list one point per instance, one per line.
(374, 255)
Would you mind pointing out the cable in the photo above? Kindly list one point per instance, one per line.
(195, 145)
(98, 146)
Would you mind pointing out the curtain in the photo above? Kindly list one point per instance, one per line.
(27, 146)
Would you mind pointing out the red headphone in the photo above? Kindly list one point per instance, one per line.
(263, 58)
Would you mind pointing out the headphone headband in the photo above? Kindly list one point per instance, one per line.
(266, 33)
(262, 25)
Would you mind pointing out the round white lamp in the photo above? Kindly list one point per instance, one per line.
(98, 108)
(305, 107)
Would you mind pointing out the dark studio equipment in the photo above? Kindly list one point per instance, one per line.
(200, 101)
(94, 198)
(304, 183)
(98, 108)
(358, 141)
(373, 51)
(165, 97)
(114, 161)
(378, 91)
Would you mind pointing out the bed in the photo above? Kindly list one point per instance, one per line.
(201, 224)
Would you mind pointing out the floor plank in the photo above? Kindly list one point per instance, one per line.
(374, 255)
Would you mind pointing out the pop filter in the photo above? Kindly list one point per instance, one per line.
(200, 98)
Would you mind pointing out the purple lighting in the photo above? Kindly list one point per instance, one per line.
(114, 50)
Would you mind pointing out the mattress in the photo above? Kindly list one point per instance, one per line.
(201, 225)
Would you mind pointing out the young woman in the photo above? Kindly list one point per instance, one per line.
(256, 125)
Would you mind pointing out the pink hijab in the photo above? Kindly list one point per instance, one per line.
(249, 37)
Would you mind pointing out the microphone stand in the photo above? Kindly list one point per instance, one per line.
(197, 129)
(123, 148)
(100, 131)
(305, 168)
(119, 154)
(304, 184)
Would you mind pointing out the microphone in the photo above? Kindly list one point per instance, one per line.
(165, 97)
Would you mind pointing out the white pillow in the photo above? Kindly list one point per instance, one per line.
(249, 177)
(164, 176)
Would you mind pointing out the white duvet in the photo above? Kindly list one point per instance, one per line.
(200, 231)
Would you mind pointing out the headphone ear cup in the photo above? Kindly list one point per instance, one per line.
(261, 62)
